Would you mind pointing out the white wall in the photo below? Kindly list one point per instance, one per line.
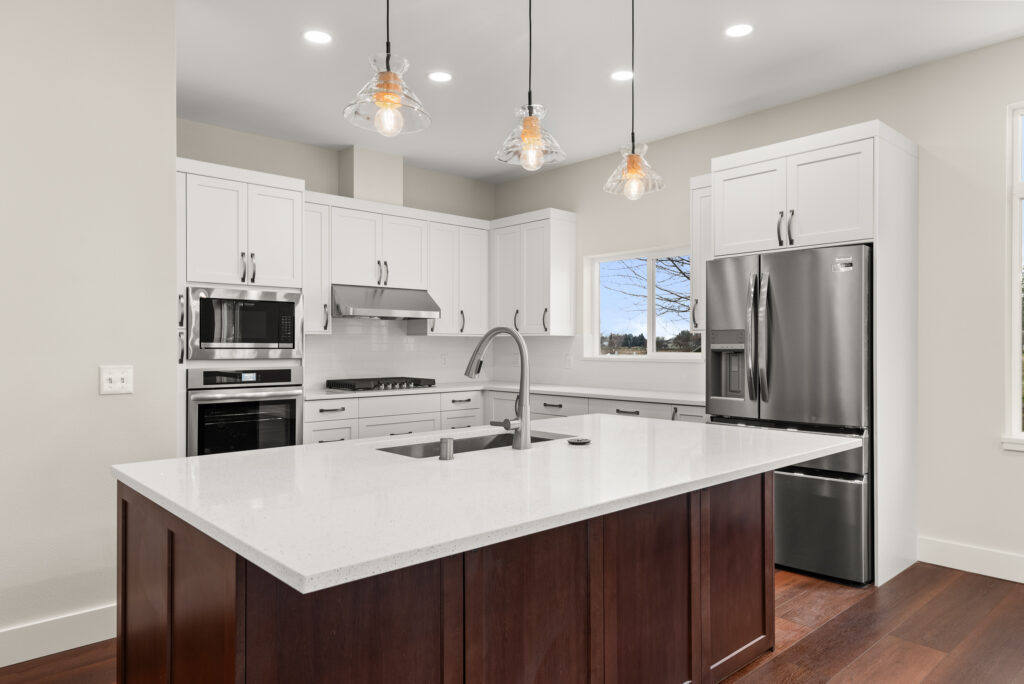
(448, 193)
(971, 507)
(86, 259)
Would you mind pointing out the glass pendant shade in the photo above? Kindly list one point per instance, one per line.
(529, 145)
(633, 177)
(386, 104)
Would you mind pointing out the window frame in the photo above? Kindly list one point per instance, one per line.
(1013, 436)
(592, 309)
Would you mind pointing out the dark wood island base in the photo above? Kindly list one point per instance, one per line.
(673, 591)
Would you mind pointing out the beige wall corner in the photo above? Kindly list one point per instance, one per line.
(377, 176)
(446, 192)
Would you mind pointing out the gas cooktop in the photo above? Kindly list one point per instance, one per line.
(368, 384)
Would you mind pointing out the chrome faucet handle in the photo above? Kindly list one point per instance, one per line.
(508, 424)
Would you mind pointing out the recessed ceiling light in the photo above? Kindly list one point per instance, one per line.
(439, 76)
(318, 37)
(739, 30)
(622, 75)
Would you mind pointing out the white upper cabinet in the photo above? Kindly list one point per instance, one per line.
(831, 195)
(355, 248)
(316, 271)
(701, 237)
(473, 285)
(749, 207)
(533, 273)
(404, 252)
(444, 277)
(216, 230)
(275, 236)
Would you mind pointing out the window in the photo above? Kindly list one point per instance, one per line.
(642, 306)
(1015, 420)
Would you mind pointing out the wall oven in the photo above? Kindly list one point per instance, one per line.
(237, 410)
(237, 323)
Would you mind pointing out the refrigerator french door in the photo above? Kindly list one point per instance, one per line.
(789, 347)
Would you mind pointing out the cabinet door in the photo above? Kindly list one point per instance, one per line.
(749, 205)
(275, 236)
(407, 424)
(472, 281)
(506, 276)
(316, 281)
(355, 248)
(536, 270)
(831, 195)
(443, 277)
(216, 240)
(459, 420)
(640, 409)
(404, 250)
(330, 431)
(700, 249)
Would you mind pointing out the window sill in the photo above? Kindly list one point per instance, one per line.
(694, 358)
(1013, 443)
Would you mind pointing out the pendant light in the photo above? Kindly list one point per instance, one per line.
(529, 145)
(386, 104)
(633, 177)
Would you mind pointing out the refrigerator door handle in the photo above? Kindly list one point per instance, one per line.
(750, 336)
(763, 334)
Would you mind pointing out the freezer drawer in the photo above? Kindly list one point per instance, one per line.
(823, 525)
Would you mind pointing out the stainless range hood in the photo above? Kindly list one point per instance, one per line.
(355, 301)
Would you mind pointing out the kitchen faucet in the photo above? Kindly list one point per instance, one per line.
(521, 424)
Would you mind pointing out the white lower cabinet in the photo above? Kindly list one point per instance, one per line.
(406, 424)
(631, 408)
(688, 413)
(330, 431)
(330, 409)
(457, 420)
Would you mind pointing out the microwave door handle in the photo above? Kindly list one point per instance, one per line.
(764, 335)
(749, 345)
(198, 397)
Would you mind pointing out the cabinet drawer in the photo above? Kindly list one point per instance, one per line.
(454, 420)
(329, 409)
(458, 401)
(686, 412)
(399, 425)
(631, 408)
(330, 431)
(371, 407)
(553, 405)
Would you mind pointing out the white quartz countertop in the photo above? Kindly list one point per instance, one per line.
(319, 515)
(688, 398)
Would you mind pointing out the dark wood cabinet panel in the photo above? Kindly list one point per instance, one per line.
(651, 585)
(527, 609)
(737, 574)
(377, 630)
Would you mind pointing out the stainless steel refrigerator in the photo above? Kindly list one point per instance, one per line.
(789, 347)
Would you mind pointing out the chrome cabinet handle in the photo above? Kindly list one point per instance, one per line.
(544, 319)
(387, 272)
(789, 226)
(327, 317)
(552, 405)
(181, 348)
(778, 229)
(693, 314)
(325, 441)
(181, 310)
(461, 401)
(515, 320)
(462, 316)
(252, 260)
(748, 346)
(622, 412)
(380, 272)
(333, 410)
(245, 268)
(764, 335)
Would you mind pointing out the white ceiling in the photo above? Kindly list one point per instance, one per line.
(243, 64)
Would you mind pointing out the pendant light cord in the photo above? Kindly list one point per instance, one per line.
(632, 81)
(529, 84)
(387, 38)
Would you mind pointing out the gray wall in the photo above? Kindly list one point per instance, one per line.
(956, 110)
(86, 258)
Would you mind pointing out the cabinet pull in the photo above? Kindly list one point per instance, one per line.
(622, 412)
(387, 272)
(245, 268)
(461, 401)
(325, 441)
(693, 314)
(380, 272)
(400, 433)
(462, 325)
(552, 405)
(181, 348)
(675, 412)
(789, 226)
(181, 310)
(433, 324)
(333, 410)
(778, 229)
(459, 427)
(544, 319)
(327, 317)
(515, 320)
(252, 260)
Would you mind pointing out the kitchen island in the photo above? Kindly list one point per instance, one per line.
(644, 556)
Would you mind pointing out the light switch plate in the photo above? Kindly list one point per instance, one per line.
(117, 379)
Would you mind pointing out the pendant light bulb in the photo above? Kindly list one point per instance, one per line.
(388, 121)
(531, 156)
(634, 189)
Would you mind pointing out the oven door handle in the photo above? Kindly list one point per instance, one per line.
(230, 396)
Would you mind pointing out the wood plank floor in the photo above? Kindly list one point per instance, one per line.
(931, 624)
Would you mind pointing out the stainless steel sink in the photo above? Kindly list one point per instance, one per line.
(433, 449)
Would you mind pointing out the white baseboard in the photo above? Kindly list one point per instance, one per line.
(991, 562)
(55, 634)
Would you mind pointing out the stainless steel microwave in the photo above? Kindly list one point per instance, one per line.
(239, 323)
